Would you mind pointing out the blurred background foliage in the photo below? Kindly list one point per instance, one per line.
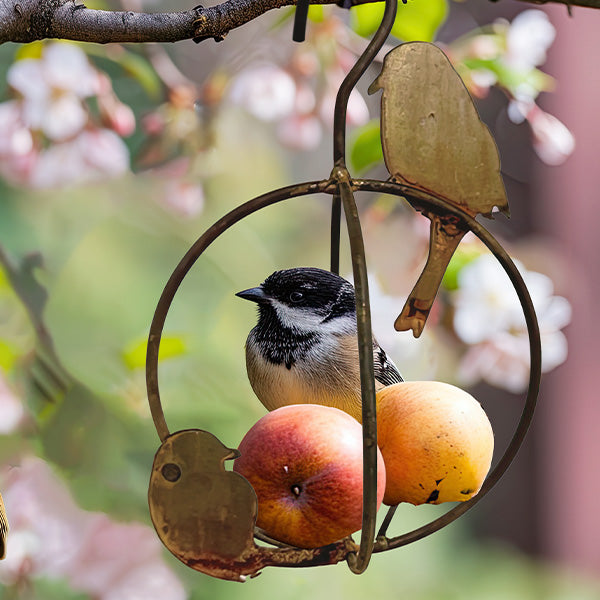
(94, 216)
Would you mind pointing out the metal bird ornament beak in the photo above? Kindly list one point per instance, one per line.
(433, 139)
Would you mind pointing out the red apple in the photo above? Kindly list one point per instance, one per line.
(305, 463)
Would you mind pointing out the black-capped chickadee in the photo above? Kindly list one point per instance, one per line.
(304, 348)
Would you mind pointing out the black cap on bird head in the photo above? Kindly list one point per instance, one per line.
(304, 288)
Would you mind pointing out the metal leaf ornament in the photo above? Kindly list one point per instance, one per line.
(202, 513)
(433, 138)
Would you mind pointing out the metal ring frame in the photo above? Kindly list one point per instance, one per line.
(420, 200)
(342, 187)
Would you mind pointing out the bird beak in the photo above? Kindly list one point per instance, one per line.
(256, 294)
(374, 87)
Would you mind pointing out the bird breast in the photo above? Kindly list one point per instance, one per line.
(327, 374)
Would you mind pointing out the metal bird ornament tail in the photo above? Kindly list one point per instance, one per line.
(433, 139)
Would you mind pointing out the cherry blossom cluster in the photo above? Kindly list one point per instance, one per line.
(483, 314)
(507, 55)
(49, 136)
(299, 96)
(52, 537)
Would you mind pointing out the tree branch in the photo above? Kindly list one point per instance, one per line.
(28, 20)
(568, 3)
(25, 21)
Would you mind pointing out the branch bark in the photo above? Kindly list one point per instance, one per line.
(28, 20)
(25, 21)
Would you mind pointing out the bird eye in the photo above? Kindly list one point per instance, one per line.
(296, 296)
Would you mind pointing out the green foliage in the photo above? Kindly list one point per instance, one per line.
(171, 346)
(43, 589)
(510, 78)
(365, 146)
(462, 257)
(316, 13)
(417, 20)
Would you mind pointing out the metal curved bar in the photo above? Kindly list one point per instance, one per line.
(181, 270)
(350, 81)
(339, 116)
(420, 200)
(359, 562)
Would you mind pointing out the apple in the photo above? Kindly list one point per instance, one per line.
(304, 462)
(436, 440)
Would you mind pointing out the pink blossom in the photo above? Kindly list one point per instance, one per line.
(116, 115)
(104, 152)
(183, 198)
(11, 408)
(552, 141)
(357, 112)
(266, 91)
(47, 136)
(118, 561)
(52, 537)
(52, 88)
(300, 132)
(17, 152)
(94, 155)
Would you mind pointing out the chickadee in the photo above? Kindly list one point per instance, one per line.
(304, 348)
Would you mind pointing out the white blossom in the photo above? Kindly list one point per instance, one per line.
(52, 88)
(301, 132)
(11, 408)
(183, 198)
(489, 318)
(552, 140)
(93, 155)
(528, 38)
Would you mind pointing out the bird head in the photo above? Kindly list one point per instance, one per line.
(303, 298)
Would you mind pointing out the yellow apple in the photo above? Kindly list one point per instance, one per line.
(436, 441)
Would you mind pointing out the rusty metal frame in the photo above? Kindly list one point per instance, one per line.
(341, 187)
(338, 184)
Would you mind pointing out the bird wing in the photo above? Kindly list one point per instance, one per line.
(386, 372)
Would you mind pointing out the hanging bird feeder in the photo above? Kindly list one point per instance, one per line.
(442, 161)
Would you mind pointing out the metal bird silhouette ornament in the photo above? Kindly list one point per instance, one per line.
(433, 139)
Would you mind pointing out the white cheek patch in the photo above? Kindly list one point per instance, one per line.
(307, 320)
(296, 318)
